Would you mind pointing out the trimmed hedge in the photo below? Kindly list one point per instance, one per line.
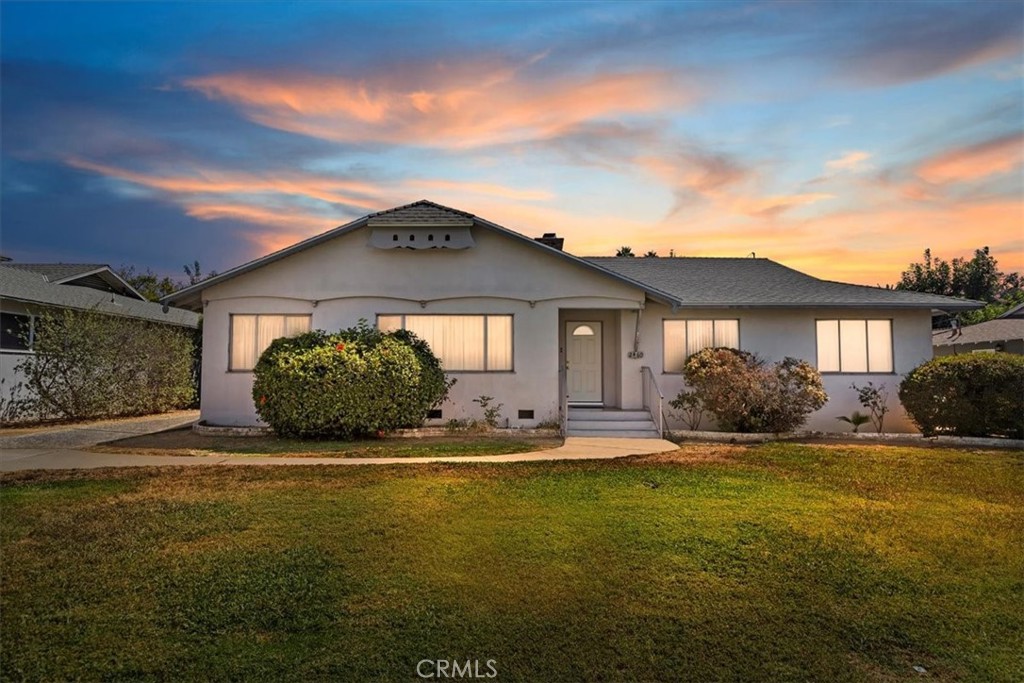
(352, 383)
(91, 365)
(976, 394)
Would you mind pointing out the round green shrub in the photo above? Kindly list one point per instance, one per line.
(975, 394)
(352, 383)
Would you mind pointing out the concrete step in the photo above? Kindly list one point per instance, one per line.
(601, 414)
(630, 434)
(606, 425)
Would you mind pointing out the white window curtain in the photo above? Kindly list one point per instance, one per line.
(828, 346)
(467, 343)
(675, 345)
(855, 346)
(683, 338)
(252, 334)
(880, 346)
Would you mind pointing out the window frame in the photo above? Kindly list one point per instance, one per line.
(867, 346)
(664, 347)
(512, 342)
(31, 333)
(231, 335)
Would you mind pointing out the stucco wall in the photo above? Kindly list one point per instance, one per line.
(350, 280)
(776, 333)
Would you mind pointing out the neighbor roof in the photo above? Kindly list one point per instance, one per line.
(760, 282)
(1015, 312)
(95, 275)
(18, 284)
(990, 331)
(682, 282)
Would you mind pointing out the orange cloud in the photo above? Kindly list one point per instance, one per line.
(974, 162)
(213, 181)
(457, 108)
(849, 161)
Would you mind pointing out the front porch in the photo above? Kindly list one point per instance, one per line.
(605, 388)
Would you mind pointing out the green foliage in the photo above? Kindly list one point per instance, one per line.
(154, 288)
(355, 382)
(747, 395)
(993, 310)
(491, 413)
(978, 278)
(977, 394)
(856, 418)
(876, 400)
(90, 365)
(690, 407)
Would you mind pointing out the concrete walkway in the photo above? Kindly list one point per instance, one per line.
(85, 434)
(575, 448)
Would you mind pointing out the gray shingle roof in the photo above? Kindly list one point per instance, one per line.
(998, 330)
(422, 212)
(25, 286)
(676, 281)
(58, 271)
(710, 282)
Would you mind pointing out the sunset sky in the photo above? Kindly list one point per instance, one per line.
(839, 139)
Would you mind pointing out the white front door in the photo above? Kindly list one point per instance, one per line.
(583, 362)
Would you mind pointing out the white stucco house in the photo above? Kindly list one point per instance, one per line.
(519, 319)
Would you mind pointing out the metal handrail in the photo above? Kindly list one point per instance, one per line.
(563, 402)
(649, 382)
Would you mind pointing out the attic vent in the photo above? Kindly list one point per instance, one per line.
(420, 237)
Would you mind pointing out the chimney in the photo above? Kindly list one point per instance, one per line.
(552, 240)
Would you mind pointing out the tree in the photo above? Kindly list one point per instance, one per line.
(154, 288)
(977, 278)
(625, 251)
(147, 283)
(651, 254)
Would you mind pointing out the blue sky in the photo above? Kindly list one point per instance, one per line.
(840, 139)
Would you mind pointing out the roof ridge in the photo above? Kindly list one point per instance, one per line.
(422, 202)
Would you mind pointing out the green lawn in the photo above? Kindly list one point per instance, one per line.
(773, 562)
(186, 442)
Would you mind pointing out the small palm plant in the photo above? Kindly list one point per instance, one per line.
(856, 418)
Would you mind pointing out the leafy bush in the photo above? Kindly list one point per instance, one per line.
(355, 382)
(977, 394)
(747, 395)
(690, 407)
(90, 365)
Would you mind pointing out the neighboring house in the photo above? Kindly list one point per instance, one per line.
(527, 323)
(1005, 333)
(27, 289)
